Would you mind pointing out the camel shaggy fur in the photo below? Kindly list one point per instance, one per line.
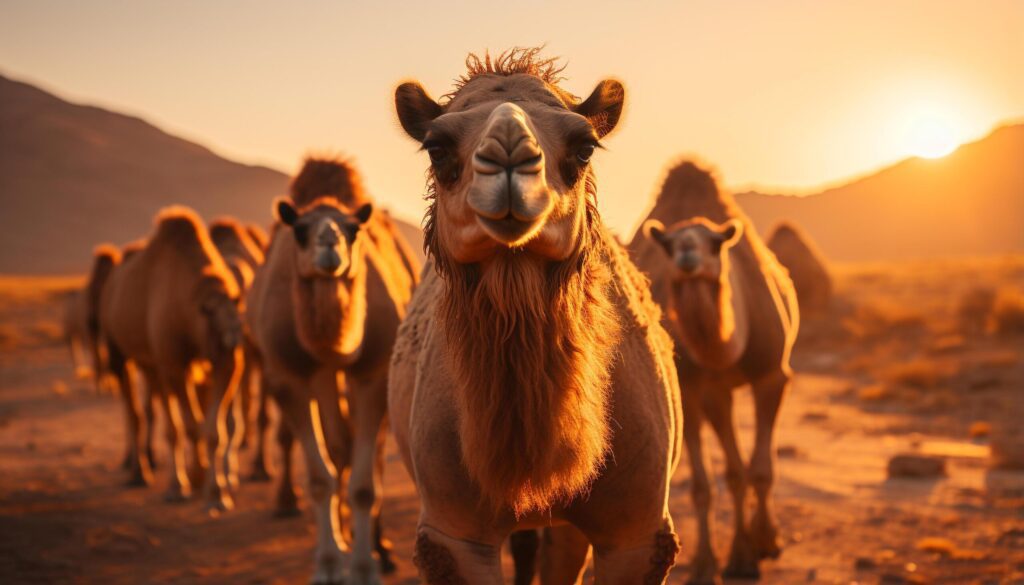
(531, 384)
(323, 311)
(797, 252)
(171, 309)
(732, 312)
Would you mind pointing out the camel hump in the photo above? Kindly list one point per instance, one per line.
(178, 222)
(332, 177)
(232, 237)
(692, 190)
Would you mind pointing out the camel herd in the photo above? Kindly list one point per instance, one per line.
(539, 377)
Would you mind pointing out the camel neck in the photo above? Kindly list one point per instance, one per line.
(330, 315)
(711, 317)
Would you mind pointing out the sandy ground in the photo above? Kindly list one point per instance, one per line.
(67, 517)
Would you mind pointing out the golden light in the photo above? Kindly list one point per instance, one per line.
(931, 137)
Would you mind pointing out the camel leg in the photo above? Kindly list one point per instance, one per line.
(768, 395)
(172, 389)
(82, 371)
(236, 435)
(135, 457)
(704, 567)
(219, 400)
(303, 415)
(244, 398)
(563, 556)
(718, 411)
(152, 396)
(260, 463)
(649, 563)
(382, 545)
(444, 560)
(191, 398)
(368, 408)
(287, 498)
(524, 546)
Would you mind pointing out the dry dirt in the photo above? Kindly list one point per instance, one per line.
(897, 366)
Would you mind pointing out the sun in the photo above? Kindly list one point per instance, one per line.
(930, 137)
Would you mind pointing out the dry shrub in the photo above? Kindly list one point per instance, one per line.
(921, 373)
(1008, 312)
(882, 318)
(9, 337)
(46, 332)
(975, 307)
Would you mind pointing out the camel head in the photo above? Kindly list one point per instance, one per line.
(509, 156)
(697, 246)
(327, 235)
(218, 302)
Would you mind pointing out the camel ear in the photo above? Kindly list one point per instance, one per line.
(731, 231)
(416, 109)
(604, 106)
(285, 211)
(654, 230)
(364, 213)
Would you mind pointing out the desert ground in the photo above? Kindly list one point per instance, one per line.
(921, 358)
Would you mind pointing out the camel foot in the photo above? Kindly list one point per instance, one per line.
(387, 564)
(177, 494)
(218, 504)
(287, 505)
(742, 559)
(259, 474)
(139, 479)
(364, 574)
(704, 570)
(329, 569)
(766, 539)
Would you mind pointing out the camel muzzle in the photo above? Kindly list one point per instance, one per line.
(509, 192)
(688, 261)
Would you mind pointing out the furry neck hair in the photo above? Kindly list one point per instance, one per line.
(330, 313)
(531, 344)
(706, 316)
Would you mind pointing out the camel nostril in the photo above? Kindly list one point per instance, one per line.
(328, 260)
(688, 261)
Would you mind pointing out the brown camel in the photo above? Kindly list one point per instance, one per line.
(732, 313)
(797, 252)
(171, 308)
(243, 255)
(531, 384)
(76, 331)
(323, 311)
(105, 258)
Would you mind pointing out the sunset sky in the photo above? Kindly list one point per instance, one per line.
(781, 95)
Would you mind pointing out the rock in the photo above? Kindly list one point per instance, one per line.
(980, 429)
(938, 545)
(788, 451)
(1007, 452)
(864, 564)
(815, 415)
(910, 465)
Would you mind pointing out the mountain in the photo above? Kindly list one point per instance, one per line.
(970, 202)
(72, 176)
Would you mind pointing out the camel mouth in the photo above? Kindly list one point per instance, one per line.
(508, 230)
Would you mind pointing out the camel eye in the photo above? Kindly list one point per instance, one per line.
(585, 152)
(437, 154)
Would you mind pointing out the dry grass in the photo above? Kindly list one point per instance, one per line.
(1008, 312)
(879, 318)
(923, 373)
(975, 307)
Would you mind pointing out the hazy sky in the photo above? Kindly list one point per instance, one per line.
(784, 95)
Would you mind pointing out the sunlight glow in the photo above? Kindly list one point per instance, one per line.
(931, 137)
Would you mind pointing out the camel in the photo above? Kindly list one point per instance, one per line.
(243, 255)
(105, 258)
(731, 310)
(171, 309)
(796, 251)
(531, 384)
(76, 330)
(323, 312)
